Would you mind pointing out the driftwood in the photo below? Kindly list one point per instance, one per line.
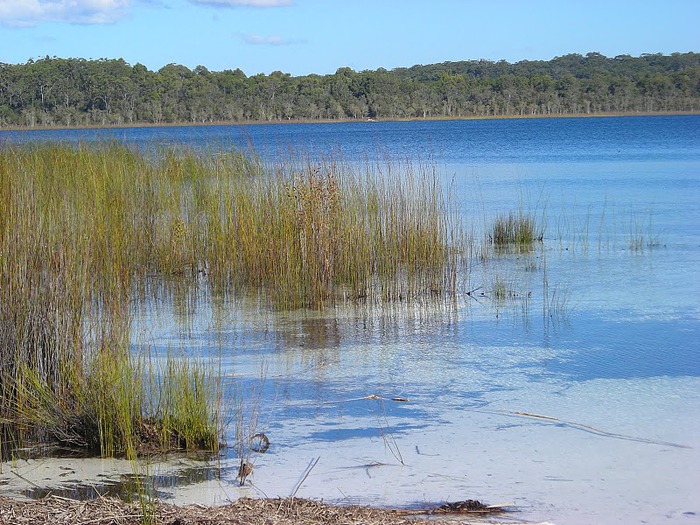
(469, 506)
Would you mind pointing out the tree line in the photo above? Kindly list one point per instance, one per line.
(77, 92)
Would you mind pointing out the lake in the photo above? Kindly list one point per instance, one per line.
(575, 398)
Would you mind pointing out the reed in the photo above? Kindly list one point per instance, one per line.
(642, 237)
(499, 291)
(519, 230)
(89, 232)
(183, 394)
(76, 239)
(310, 235)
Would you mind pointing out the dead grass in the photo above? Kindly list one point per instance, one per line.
(60, 511)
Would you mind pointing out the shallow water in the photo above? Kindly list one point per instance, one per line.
(599, 338)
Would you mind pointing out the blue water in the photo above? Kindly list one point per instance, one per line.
(462, 142)
(599, 333)
(582, 165)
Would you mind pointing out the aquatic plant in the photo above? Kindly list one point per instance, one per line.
(499, 290)
(641, 236)
(76, 241)
(89, 232)
(518, 230)
(313, 234)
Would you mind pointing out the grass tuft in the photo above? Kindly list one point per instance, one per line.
(519, 230)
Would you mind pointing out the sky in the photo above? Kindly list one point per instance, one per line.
(302, 37)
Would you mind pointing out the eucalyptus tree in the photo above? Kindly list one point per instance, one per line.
(57, 91)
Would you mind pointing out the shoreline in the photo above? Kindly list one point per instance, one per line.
(57, 510)
(146, 125)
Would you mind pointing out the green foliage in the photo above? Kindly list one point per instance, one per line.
(88, 233)
(514, 230)
(182, 414)
(78, 92)
(77, 239)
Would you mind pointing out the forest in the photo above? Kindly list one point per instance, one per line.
(78, 92)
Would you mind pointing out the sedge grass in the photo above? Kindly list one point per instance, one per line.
(84, 231)
(518, 230)
(74, 242)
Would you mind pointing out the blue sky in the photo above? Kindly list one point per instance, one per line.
(319, 36)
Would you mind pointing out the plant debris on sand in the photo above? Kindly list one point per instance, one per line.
(104, 511)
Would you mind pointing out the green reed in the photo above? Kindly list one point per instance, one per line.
(520, 230)
(310, 235)
(86, 230)
(76, 241)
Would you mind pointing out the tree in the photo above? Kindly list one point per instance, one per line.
(52, 91)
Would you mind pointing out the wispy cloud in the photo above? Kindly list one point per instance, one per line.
(245, 3)
(270, 40)
(27, 13)
(154, 3)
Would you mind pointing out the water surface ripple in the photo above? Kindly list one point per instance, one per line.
(578, 401)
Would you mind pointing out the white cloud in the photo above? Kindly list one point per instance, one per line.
(154, 3)
(269, 40)
(245, 3)
(23, 13)
(19, 12)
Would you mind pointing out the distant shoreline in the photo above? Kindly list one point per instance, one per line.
(350, 120)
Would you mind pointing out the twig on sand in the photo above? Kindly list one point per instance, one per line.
(373, 397)
(308, 470)
(587, 428)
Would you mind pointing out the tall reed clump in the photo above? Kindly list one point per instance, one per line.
(86, 231)
(517, 230)
(181, 404)
(80, 229)
(312, 234)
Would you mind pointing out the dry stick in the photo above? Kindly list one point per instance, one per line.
(20, 476)
(61, 498)
(471, 295)
(111, 519)
(371, 396)
(573, 424)
(391, 441)
(586, 428)
(261, 491)
(309, 468)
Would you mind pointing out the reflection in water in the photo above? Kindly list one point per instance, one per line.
(313, 333)
(129, 486)
(587, 330)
